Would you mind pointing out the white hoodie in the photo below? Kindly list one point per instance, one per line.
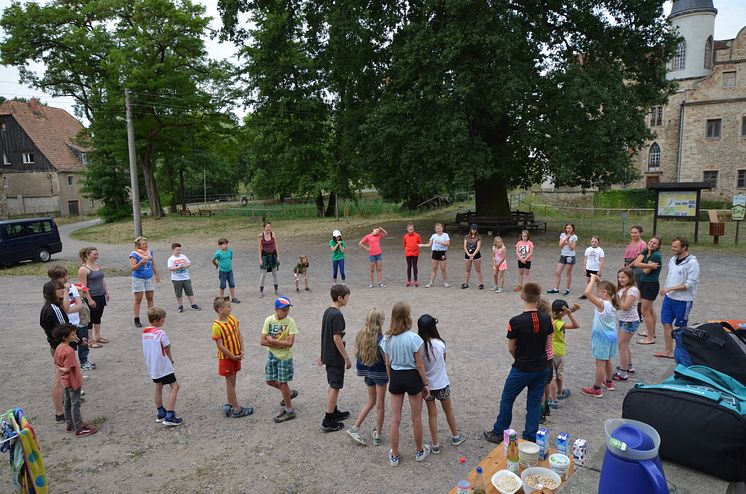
(684, 273)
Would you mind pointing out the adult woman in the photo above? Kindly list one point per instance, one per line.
(649, 261)
(567, 242)
(52, 315)
(635, 246)
(269, 256)
(91, 276)
(143, 272)
(472, 255)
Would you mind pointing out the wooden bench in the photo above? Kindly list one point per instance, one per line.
(462, 221)
(205, 212)
(186, 212)
(527, 219)
(518, 220)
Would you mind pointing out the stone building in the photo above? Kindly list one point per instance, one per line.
(700, 134)
(41, 168)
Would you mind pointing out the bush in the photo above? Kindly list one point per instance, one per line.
(628, 198)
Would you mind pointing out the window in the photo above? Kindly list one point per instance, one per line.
(69, 180)
(656, 116)
(678, 62)
(713, 128)
(710, 177)
(729, 79)
(654, 157)
(28, 158)
(741, 180)
(708, 53)
(84, 158)
(743, 126)
(6, 161)
(3, 127)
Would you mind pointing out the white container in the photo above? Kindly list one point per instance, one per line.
(559, 464)
(539, 471)
(506, 473)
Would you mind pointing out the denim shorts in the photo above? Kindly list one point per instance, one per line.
(375, 382)
(378, 257)
(226, 276)
(629, 326)
(143, 285)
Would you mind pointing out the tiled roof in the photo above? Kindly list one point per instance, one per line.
(51, 129)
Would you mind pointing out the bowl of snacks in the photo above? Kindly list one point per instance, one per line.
(506, 482)
(538, 478)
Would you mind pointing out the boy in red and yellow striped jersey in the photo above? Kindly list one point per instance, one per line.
(229, 341)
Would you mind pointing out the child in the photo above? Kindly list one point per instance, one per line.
(527, 342)
(334, 357)
(595, 259)
(223, 262)
(603, 334)
(372, 243)
(229, 341)
(74, 308)
(439, 241)
(160, 363)
(437, 378)
(278, 335)
(568, 240)
(338, 247)
(560, 309)
(412, 241)
(500, 265)
(524, 250)
(179, 264)
(301, 269)
(403, 349)
(629, 320)
(70, 378)
(473, 255)
(544, 308)
(52, 315)
(371, 364)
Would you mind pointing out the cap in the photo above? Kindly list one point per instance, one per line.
(336, 233)
(473, 226)
(282, 303)
(558, 305)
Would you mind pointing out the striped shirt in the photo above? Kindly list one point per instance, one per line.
(229, 333)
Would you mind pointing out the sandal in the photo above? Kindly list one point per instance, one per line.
(94, 345)
(662, 355)
(102, 340)
(243, 412)
(645, 342)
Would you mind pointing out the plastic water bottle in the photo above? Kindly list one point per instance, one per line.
(463, 486)
(480, 485)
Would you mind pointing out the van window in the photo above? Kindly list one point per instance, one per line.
(25, 229)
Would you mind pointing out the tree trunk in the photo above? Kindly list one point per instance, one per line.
(331, 207)
(151, 188)
(174, 192)
(182, 189)
(319, 205)
(491, 197)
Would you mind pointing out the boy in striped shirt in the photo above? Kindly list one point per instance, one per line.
(229, 341)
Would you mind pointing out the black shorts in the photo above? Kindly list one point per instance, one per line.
(335, 376)
(478, 256)
(167, 379)
(589, 272)
(524, 264)
(649, 289)
(405, 381)
(98, 311)
(567, 260)
(439, 255)
(550, 364)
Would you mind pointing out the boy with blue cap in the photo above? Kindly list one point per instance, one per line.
(278, 335)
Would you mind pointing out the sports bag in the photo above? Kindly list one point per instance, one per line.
(716, 345)
(700, 414)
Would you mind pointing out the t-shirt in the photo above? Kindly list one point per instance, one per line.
(525, 250)
(181, 274)
(337, 254)
(566, 250)
(531, 329)
(558, 338)
(154, 342)
(654, 274)
(144, 272)
(634, 250)
(593, 255)
(227, 331)
(435, 366)
(499, 254)
(630, 314)
(411, 243)
(401, 349)
(374, 243)
(64, 356)
(443, 237)
(225, 259)
(280, 329)
(604, 323)
(332, 322)
(73, 293)
(376, 371)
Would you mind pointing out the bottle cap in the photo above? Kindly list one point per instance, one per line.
(462, 460)
(479, 470)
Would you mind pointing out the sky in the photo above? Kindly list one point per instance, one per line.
(731, 18)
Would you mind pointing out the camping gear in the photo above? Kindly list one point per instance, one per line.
(631, 462)
(19, 439)
(718, 345)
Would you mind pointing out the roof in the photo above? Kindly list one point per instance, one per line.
(679, 186)
(51, 129)
(681, 7)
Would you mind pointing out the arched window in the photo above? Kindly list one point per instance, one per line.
(708, 53)
(678, 62)
(654, 157)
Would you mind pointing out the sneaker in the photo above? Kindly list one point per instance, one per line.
(307, 289)
(331, 426)
(293, 394)
(234, 300)
(196, 307)
(553, 290)
(339, 415)
(481, 287)
(138, 324)
(564, 394)
(447, 286)
(172, 421)
(160, 416)
(428, 285)
(409, 283)
(376, 437)
(609, 385)
(227, 409)
(492, 437)
(70, 428)
(499, 290)
(591, 391)
(181, 308)
(416, 284)
(88, 366)
(354, 433)
(242, 412)
(87, 430)
(435, 449)
(554, 405)
(631, 369)
(59, 419)
(381, 285)
(464, 285)
(543, 419)
(582, 297)
(456, 440)
(370, 286)
(495, 288)
(421, 455)
(261, 294)
(566, 291)
(618, 376)
(393, 460)
(284, 416)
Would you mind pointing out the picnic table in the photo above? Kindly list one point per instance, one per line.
(497, 460)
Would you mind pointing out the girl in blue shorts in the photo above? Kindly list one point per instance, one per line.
(603, 333)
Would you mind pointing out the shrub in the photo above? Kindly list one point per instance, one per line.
(627, 198)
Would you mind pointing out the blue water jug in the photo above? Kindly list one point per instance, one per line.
(631, 462)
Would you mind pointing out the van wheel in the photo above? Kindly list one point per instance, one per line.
(43, 255)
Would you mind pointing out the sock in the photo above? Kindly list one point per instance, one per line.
(596, 387)
(328, 417)
(289, 410)
(161, 409)
(261, 288)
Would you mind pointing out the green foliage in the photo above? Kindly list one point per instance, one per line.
(628, 198)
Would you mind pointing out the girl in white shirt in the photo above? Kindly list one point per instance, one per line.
(439, 241)
(628, 320)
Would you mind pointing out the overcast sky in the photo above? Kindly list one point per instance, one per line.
(731, 18)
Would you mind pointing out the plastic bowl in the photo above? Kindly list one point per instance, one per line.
(539, 471)
(528, 448)
(506, 473)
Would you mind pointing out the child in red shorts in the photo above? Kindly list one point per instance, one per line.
(229, 341)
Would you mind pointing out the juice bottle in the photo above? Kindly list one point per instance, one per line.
(513, 454)
(480, 486)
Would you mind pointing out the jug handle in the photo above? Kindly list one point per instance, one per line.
(656, 476)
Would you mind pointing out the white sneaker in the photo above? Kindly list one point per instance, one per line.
(421, 455)
(499, 290)
(495, 289)
(393, 460)
(428, 285)
(354, 433)
(370, 286)
(382, 285)
(446, 285)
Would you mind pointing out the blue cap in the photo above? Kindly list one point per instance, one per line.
(282, 303)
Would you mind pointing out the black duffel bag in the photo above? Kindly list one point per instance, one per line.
(715, 344)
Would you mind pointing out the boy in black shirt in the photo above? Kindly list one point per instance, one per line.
(334, 357)
(527, 342)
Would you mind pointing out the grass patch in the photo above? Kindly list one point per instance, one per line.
(41, 268)
(136, 454)
(99, 421)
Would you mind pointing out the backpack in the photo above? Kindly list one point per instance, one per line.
(716, 345)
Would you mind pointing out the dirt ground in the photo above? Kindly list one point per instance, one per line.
(211, 453)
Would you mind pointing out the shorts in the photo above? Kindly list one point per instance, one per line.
(226, 277)
(503, 266)
(228, 367)
(278, 370)
(335, 376)
(604, 345)
(550, 367)
(405, 381)
(589, 272)
(377, 258)
(524, 264)
(649, 289)
(629, 326)
(567, 260)
(369, 381)
(476, 257)
(183, 285)
(167, 379)
(439, 394)
(439, 255)
(143, 285)
(675, 312)
(98, 312)
(558, 363)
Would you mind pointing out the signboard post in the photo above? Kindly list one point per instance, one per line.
(738, 211)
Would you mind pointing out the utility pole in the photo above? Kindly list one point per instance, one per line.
(134, 190)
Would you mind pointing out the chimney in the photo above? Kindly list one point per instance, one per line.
(34, 105)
